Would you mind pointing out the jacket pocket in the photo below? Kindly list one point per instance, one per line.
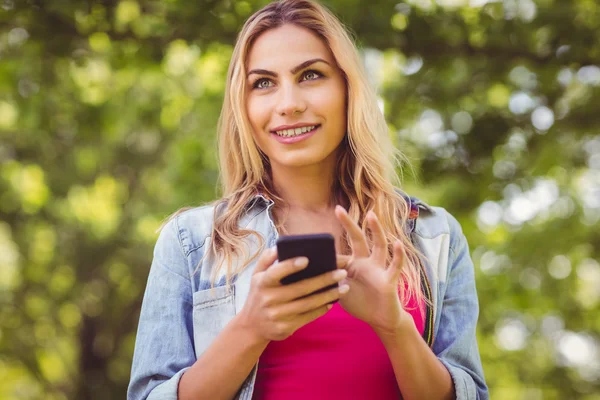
(212, 310)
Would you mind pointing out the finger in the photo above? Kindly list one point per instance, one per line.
(277, 272)
(357, 238)
(395, 268)
(379, 241)
(342, 260)
(312, 302)
(267, 258)
(311, 316)
(308, 286)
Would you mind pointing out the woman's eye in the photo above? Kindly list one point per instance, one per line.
(311, 75)
(261, 84)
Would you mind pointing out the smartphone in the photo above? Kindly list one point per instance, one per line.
(318, 248)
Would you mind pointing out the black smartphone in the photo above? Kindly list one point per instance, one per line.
(318, 248)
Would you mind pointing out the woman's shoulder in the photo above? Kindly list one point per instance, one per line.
(193, 225)
(440, 237)
(187, 228)
(195, 216)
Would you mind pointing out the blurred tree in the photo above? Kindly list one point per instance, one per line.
(107, 119)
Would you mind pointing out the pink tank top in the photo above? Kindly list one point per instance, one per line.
(334, 357)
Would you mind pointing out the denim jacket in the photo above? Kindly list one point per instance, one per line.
(181, 315)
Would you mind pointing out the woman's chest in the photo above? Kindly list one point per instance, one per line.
(304, 225)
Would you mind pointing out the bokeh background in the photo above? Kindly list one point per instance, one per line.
(107, 125)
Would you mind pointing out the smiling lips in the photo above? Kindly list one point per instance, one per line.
(294, 133)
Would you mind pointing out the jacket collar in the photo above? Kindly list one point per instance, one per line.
(420, 204)
(416, 204)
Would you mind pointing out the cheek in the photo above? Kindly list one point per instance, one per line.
(332, 105)
(257, 114)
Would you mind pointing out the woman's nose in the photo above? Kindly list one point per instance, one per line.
(290, 100)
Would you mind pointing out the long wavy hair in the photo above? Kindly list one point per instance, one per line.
(367, 159)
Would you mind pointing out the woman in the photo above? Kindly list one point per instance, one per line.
(301, 141)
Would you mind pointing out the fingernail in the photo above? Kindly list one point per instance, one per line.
(329, 306)
(301, 262)
(344, 289)
(339, 274)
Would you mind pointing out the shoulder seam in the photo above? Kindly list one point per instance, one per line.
(203, 241)
(179, 237)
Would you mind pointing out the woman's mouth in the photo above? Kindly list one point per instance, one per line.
(289, 136)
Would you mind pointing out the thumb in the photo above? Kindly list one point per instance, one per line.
(267, 258)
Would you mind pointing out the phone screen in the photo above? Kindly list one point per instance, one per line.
(318, 248)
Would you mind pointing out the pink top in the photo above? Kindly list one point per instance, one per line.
(336, 356)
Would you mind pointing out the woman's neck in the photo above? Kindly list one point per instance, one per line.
(305, 189)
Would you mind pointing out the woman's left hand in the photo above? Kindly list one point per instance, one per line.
(373, 295)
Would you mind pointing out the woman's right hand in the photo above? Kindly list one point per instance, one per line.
(274, 311)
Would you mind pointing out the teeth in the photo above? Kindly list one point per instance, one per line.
(295, 132)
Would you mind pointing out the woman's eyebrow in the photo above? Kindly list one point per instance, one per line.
(293, 70)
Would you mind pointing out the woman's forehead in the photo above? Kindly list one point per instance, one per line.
(285, 47)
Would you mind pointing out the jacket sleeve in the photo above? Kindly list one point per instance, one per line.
(164, 343)
(455, 343)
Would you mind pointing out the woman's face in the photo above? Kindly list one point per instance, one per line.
(294, 86)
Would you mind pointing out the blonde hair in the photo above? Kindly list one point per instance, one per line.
(367, 159)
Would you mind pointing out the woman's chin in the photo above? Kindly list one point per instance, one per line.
(295, 161)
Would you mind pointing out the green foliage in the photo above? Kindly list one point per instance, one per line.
(107, 125)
